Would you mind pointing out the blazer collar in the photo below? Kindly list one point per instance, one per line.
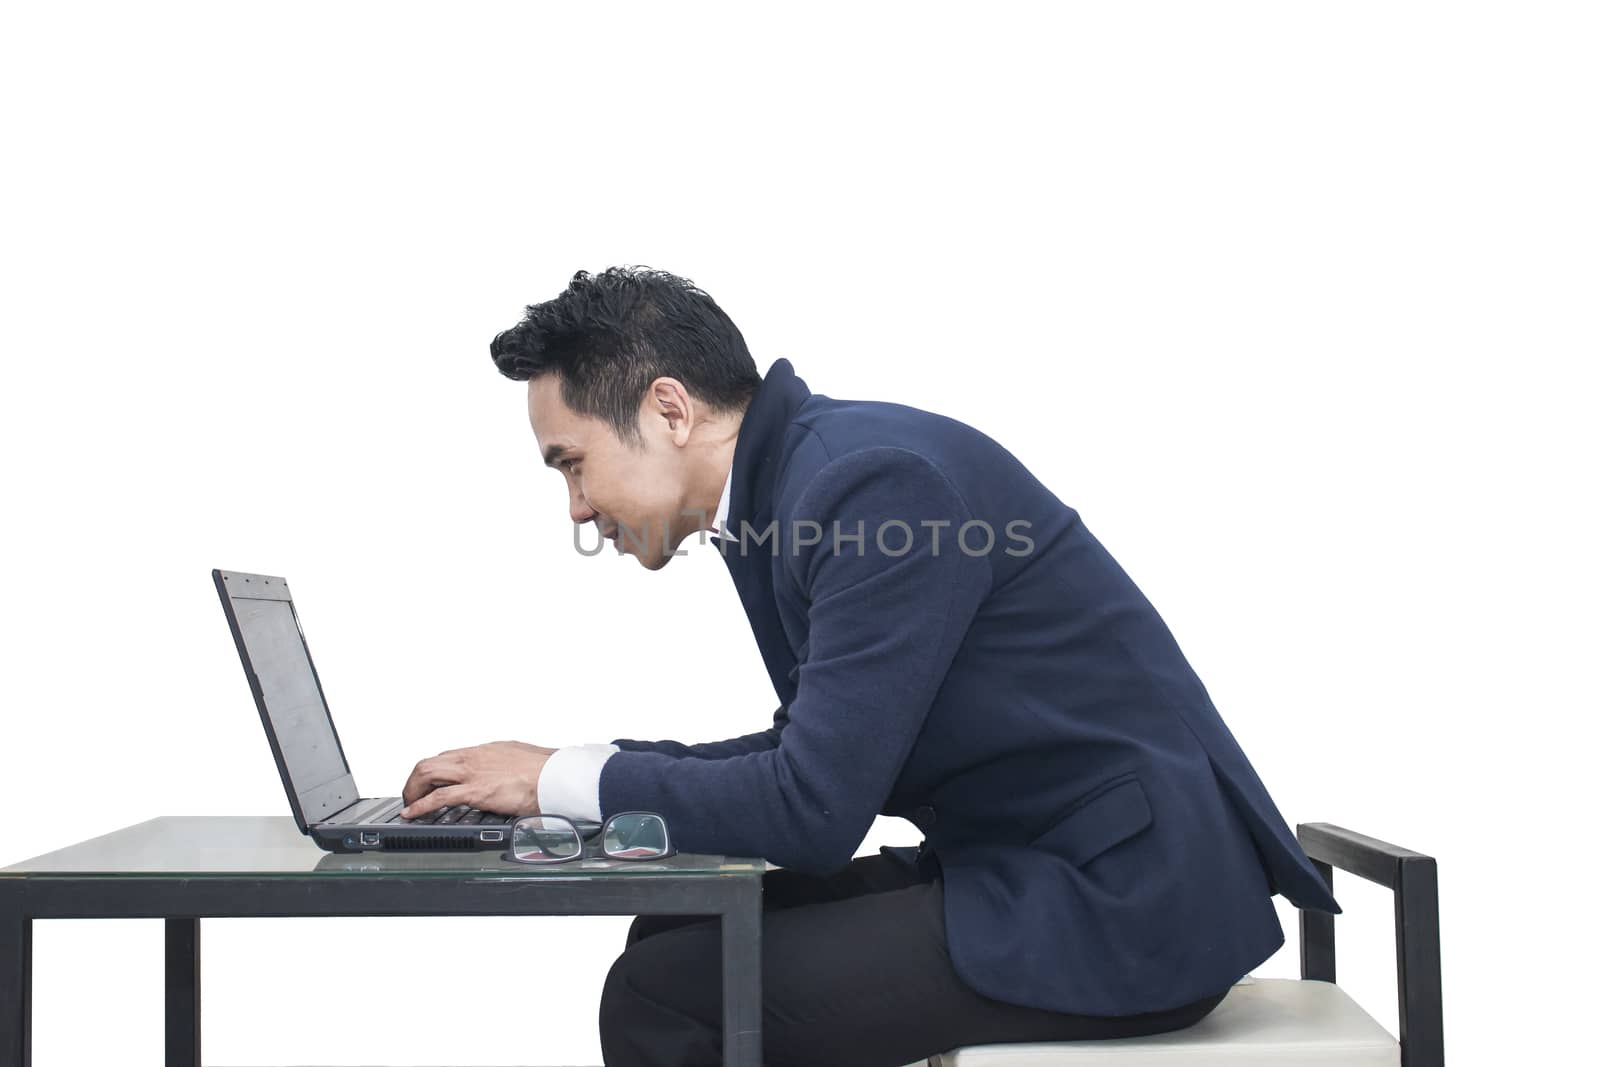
(759, 450)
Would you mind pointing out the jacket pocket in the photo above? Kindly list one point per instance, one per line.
(1109, 815)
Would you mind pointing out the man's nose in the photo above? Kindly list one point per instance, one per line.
(579, 509)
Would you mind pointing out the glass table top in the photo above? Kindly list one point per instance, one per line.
(269, 845)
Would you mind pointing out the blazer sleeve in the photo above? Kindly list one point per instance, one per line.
(734, 746)
(886, 616)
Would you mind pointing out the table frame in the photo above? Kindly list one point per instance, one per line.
(183, 899)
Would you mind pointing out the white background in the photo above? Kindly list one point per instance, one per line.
(1291, 303)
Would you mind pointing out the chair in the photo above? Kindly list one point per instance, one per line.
(1282, 1021)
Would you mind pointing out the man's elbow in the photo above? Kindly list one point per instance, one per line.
(814, 864)
(827, 850)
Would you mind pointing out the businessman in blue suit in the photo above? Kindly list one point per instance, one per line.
(948, 644)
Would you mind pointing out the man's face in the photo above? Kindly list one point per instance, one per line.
(631, 495)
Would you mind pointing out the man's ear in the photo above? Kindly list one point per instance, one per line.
(669, 401)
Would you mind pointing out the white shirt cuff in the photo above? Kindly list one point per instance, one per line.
(570, 782)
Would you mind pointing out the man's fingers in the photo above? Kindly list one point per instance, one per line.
(440, 798)
(435, 770)
(418, 783)
(421, 787)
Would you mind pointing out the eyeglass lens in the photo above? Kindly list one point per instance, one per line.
(536, 838)
(636, 836)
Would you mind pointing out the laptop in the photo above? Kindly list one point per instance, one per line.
(322, 792)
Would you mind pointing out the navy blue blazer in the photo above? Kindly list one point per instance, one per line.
(965, 654)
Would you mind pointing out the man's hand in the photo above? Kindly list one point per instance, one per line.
(501, 777)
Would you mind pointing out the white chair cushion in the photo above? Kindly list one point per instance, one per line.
(1277, 1021)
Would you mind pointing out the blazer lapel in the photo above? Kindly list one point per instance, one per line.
(757, 458)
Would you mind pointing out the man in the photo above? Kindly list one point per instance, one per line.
(948, 644)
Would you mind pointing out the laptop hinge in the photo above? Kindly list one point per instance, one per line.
(365, 811)
(347, 813)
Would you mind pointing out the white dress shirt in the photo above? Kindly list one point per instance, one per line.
(570, 782)
(719, 525)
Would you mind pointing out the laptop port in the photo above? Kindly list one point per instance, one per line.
(369, 837)
(491, 835)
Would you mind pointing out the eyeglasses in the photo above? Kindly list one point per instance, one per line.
(627, 835)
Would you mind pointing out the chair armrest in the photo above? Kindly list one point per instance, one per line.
(1414, 878)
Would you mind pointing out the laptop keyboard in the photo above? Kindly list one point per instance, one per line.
(460, 815)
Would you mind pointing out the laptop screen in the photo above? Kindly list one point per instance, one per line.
(271, 643)
(278, 658)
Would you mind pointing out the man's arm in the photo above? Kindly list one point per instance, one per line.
(570, 782)
(734, 746)
(884, 627)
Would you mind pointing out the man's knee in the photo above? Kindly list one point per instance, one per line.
(616, 996)
(645, 925)
(661, 1005)
(619, 1018)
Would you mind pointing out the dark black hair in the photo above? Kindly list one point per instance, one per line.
(609, 335)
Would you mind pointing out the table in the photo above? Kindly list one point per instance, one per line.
(185, 868)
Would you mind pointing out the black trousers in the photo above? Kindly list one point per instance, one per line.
(854, 973)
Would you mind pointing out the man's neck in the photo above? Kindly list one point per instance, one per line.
(721, 468)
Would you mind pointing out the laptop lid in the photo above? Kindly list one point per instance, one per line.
(288, 694)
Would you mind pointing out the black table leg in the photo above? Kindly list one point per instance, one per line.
(16, 984)
(741, 980)
(183, 992)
